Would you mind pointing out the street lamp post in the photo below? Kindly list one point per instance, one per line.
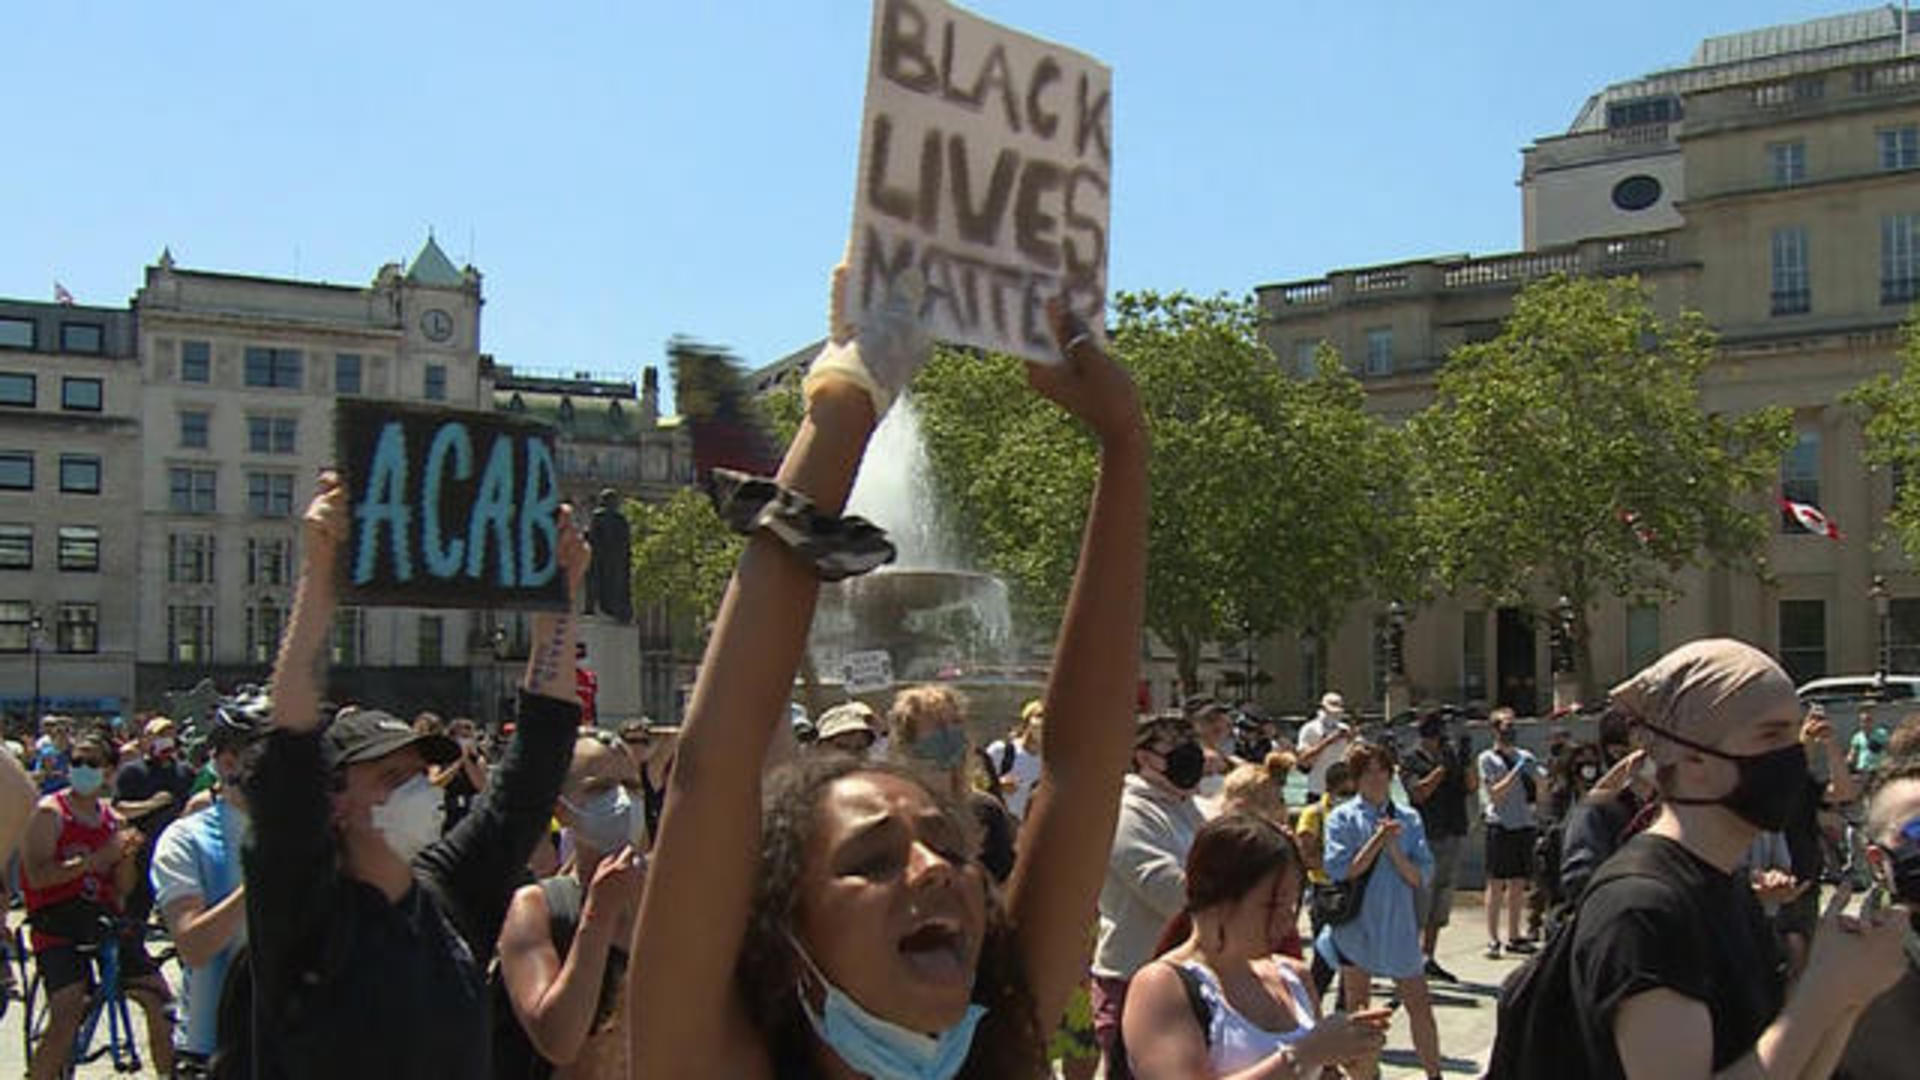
(499, 657)
(1882, 609)
(1398, 699)
(35, 624)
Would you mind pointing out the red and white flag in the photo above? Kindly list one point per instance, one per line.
(61, 295)
(1810, 518)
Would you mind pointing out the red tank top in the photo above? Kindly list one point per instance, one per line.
(76, 838)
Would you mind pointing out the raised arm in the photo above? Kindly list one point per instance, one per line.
(1089, 700)
(693, 915)
(290, 850)
(478, 865)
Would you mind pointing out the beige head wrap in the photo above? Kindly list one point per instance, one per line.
(1705, 690)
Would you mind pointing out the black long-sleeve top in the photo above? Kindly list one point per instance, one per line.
(346, 984)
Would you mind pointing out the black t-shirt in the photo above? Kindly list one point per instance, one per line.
(1444, 813)
(1882, 1047)
(1692, 930)
(143, 779)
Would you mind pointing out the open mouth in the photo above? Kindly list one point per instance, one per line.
(937, 951)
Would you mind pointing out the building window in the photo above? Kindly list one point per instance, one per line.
(349, 637)
(190, 491)
(80, 474)
(346, 373)
(16, 470)
(78, 630)
(76, 337)
(1380, 351)
(1643, 636)
(17, 334)
(277, 369)
(190, 633)
(1900, 258)
(1803, 639)
(1644, 111)
(269, 561)
(1473, 656)
(196, 361)
(1900, 147)
(16, 625)
(80, 547)
(190, 559)
(434, 386)
(1786, 165)
(265, 621)
(1800, 477)
(81, 395)
(432, 629)
(1792, 292)
(1788, 92)
(16, 547)
(17, 389)
(1903, 635)
(270, 494)
(1310, 677)
(193, 430)
(271, 434)
(1306, 358)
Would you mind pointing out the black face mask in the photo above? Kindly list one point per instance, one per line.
(1186, 763)
(1771, 789)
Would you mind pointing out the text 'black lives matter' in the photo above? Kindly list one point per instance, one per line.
(449, 509)
(986, 163)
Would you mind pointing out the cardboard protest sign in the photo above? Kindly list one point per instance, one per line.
(449, 509)
(866, 672)
(985, 159)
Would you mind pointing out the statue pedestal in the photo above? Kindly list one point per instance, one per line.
(1399, 696)
(1566, 690)
(613, 652)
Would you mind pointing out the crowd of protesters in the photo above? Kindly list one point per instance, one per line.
(356, 892)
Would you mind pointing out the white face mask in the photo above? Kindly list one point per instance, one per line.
(411, 817)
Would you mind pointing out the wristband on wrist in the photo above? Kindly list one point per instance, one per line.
(834, 547)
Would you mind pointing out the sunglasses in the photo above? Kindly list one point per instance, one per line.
(94, 763)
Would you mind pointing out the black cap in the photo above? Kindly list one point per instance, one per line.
(369, 734)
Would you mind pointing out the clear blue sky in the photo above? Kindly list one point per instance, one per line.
(623, 171)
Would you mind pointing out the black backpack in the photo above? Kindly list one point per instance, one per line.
(1118, 1067)
(1538, 1028)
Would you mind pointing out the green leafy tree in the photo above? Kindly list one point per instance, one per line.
(683, 556)
(1572, 453)
(1275, 502)
(1893, 437)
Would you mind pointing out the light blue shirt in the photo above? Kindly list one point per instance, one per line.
(1512, 811)
(1384, 939)
(199, 856)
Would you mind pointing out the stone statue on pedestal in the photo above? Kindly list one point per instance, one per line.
(610, 574)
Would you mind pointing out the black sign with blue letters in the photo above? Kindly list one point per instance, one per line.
(449, 509)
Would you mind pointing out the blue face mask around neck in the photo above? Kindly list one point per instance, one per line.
(880, 1048)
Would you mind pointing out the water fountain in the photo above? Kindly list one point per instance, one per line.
(937, 621)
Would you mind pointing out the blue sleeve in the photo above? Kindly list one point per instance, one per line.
(1345, 835)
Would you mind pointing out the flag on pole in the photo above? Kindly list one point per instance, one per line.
(61, 295)
(1810, 518)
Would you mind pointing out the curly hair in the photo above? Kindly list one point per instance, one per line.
(1009, 1042)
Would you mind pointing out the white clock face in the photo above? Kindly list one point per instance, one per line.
(436, 324)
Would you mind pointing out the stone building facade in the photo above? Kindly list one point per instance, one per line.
(69, 482)
(1772, 184)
